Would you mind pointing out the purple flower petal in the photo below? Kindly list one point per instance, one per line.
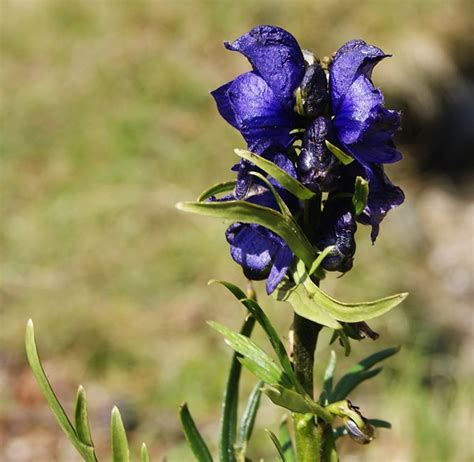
(275, 54)
(283, 260)
(353, 59)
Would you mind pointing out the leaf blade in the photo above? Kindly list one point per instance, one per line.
(195, 440)
(81, 418)
(218, 188)
(120, 451)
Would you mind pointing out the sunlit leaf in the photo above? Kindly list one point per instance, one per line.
(285, 441)
(246, 212)
(81, 418)
(281, 204)
(277, 445)
(86, 451)
(216, 189)
(193, 437)
(231, 401)
(250, 413)
(144, 456)
(346, 159)
(361, 194)
(287, 181)
(120, 452)
(329, 373)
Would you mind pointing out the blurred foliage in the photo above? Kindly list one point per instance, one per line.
(107, 122)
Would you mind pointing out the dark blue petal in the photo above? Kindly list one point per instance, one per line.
(383, 196)
(275, 54)
(313, 90)
(224, 107)
(353, 59)
(283, 260)
(258, 114)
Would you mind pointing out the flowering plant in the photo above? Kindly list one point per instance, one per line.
(317, 135)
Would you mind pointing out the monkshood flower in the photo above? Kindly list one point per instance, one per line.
(260, 104)
(261, 253)
(363, 126)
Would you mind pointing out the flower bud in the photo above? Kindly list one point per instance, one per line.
(317, 166)
(314, 90)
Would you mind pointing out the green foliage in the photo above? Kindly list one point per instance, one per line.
(80, 434)
(216, 189)
(361, 195)
(346, 159)
(194, 438)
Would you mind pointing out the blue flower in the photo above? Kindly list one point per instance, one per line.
(260, 104)
(363, 126)
(261, 253)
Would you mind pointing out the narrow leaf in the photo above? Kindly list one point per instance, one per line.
(346, 159)
(373, 359)
(81, 417)
(254, 308)
(329, 373)
(285, 441)
(193, 437)
(378, 423)
(120, 452)
(286, 180)
(250, 413)
(350, 381)
(281, 204)
(277, 444)
(252, 355)
(87, 452)
(346, 312)
(246, 212)
(322, 255)
(144, 456)
(231, 400)
(216, 189)
(361, 194)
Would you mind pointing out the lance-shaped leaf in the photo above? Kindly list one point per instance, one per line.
(86, 451)
(254, 308)
(361, 194)
(341, 311)
(359, 373)
(285, 441)
(81, 418)
(216, 189)
(246, 212)
(277, 445)
(120, 452)
(195, 440)
(254, 358)
(248, 418)
(231, 401)
(287, 181)
(345, 159)
(295, 401)
(284, 210)
(144, 456)
(303, 304)
(328, 377)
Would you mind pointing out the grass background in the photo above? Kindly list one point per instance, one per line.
(107, 122)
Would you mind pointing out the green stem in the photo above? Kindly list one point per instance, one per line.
(307, 437)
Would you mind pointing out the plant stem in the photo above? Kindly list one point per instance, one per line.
(307, 437)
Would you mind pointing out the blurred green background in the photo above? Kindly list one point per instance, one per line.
(107, 122)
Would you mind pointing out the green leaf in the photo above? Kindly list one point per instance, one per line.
(285, 441)
(246, 212)
(144, 456)
(250, 413)
(322, 255)
(373, 359)
(277, 445)
(193, 437)
(350, 381)
(303, 303)
(287, 181)
(378, 423)
(295, 402)
(254, 308)
(81, 418)
(361, 194)
(120, 452)
(329, 373)
(281, 204)
(216, 189)
(86, 451)
(231, 400)
(254, 358)
(345, 159)
(341, 311)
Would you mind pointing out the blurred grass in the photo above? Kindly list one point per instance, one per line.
(106, 123)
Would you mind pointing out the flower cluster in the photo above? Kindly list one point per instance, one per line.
(291, 109)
